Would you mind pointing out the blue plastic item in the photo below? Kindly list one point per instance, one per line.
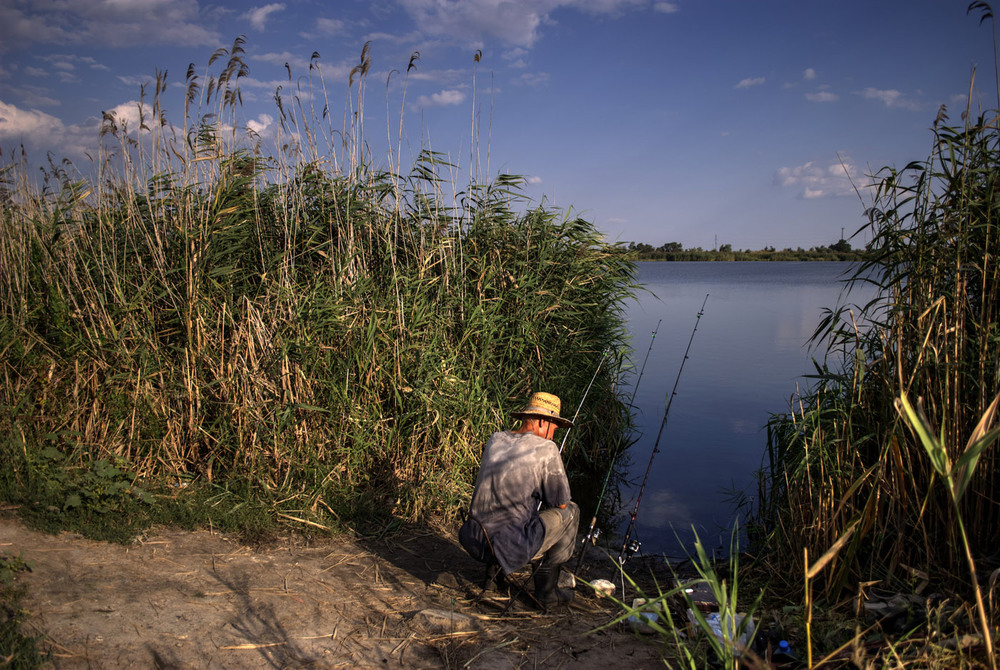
(783, 653)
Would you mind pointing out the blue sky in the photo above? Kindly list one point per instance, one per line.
(732, 121)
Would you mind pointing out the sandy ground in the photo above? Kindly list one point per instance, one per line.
(180, 599)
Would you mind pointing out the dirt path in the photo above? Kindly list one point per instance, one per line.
(180, 599)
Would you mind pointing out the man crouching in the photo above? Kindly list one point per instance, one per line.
(522, 499)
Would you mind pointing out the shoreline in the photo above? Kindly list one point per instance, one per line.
(177, 598)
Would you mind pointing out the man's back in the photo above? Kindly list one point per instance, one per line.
(518, 471)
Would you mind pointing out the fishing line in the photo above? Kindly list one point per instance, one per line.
(591, 535)
(631, 547)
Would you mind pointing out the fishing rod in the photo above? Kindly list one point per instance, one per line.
(591, 535)
(586, 392)
(630, 547)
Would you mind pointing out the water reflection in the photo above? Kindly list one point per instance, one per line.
(747, 357)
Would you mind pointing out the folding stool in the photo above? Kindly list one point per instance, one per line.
(493, 568)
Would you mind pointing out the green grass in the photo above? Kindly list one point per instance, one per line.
(298, 333)
(846, 478)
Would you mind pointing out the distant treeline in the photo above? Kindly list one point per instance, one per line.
(674, 251)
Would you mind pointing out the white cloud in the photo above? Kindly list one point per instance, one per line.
(130, 116)
(666, 7)
(441, 99)
(599, 6)
(40, 132)
(751, 81)
(297, 63)
(253, 88)
(533, 180)
(261, 124)
(106, 23)
(807, 75)
(473, 20)
(818, 181)
(65, 72)
(890, 98)
(126, 115)
(822, 96)
(135, 79)
(260, 89)
(534, 79)
(34, 96)
(516, 57)
(453, 75)
(958, 100)
(65, 66)
(23, 125)
(20, 26)
(395, 38)
(329, 26)
(258, 15)
(515, 22)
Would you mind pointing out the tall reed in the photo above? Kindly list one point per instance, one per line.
(301, 323)
(843, 470)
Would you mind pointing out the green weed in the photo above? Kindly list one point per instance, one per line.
(695, 639)
(18, 649)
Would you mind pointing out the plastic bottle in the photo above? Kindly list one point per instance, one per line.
(783, 654)
(714, 623)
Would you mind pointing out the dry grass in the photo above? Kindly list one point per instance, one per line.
(301, 329)
(847, 479)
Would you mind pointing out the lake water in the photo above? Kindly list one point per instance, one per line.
(747, 356)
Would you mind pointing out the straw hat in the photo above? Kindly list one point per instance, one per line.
(546, 406)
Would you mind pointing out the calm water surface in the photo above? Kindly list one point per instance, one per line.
(748, 355)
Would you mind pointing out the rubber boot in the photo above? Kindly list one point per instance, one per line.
(547, 590)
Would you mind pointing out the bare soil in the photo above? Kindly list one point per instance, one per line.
(183, 599)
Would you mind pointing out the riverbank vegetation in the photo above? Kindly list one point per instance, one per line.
(675, 251)
(881, 484)
(206, 332)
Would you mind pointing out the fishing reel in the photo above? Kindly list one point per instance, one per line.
(591, 537)
(632, 548)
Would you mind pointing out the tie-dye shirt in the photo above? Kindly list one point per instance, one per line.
(517, 471)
